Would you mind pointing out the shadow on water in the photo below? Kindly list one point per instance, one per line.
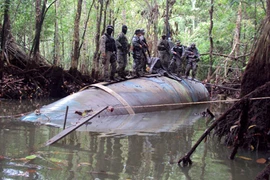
(144, 147)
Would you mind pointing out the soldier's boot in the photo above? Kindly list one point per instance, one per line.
(193, 74)
(122, 74)
(138, 73)
(186, 74)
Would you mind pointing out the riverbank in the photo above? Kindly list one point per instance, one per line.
(41, 82)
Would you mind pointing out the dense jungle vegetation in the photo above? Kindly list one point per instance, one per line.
(66, 33)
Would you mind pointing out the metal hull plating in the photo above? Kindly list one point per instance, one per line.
(132, 96)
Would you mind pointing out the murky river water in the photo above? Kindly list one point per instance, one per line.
(147, 154)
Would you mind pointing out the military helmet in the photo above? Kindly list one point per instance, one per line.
(110, 27)
(137, 31)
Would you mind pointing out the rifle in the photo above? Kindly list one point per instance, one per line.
(148, 52)
(193, 56)
(177, 56)
(144, 54)
(145, 45)
(168, 50)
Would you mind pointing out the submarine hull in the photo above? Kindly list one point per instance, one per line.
(140, 95)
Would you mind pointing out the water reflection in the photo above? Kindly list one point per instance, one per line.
(15, 108)
(103, 155)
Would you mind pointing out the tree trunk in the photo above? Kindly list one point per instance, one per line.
(154, 48)
(155, 26)
(5, 31)
(105, 16)
(211, 41)
(85, 24)
(38, 20)
(56, 50)
(95, 67)
(62, 40)
(40, 15)
(168, 33)
(255, 19)
(124, 13)
(257, 71)
(268, 10)
(76, 37)
(236, 39)
(237, 34)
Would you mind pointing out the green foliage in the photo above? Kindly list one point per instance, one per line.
(188, 23)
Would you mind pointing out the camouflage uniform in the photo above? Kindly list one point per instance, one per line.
(144, 50)
(164, 52)
(137, 54)
(122, 51)
(107, 47)
(193, 56)
(177, 58)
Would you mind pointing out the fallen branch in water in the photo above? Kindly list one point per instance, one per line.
(186, 159)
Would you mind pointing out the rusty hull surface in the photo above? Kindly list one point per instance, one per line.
(145, 94)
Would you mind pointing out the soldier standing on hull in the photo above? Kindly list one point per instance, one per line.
(137, 52)
(108, 54)
(178, 52)
(193, 56)
(164, 51)
(122, 52)
(144, 50)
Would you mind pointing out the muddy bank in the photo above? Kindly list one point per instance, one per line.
(254, 128)
(40, 82)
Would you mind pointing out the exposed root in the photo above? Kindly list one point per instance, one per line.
(257, 124)
(265, 174)
(251, 131)
(40, 82)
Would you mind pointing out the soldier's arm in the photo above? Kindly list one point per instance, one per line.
(172, 51)
(114, 48)
(145, 43)
(135, 43)
(118, 45)
(198, 54)
(160, 44)
(189, 52)
(183, 52)
(117, 42)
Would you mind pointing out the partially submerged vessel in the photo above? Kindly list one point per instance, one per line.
(133, 96)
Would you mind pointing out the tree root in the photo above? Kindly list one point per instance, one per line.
(242, 129)
(40, 82)
(185, 160)
(223, 125)
(265, 174)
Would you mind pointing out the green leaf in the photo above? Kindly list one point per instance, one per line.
(31, 157)
(58, 161)
(55, 160)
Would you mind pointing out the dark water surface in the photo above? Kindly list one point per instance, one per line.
(149, 153)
